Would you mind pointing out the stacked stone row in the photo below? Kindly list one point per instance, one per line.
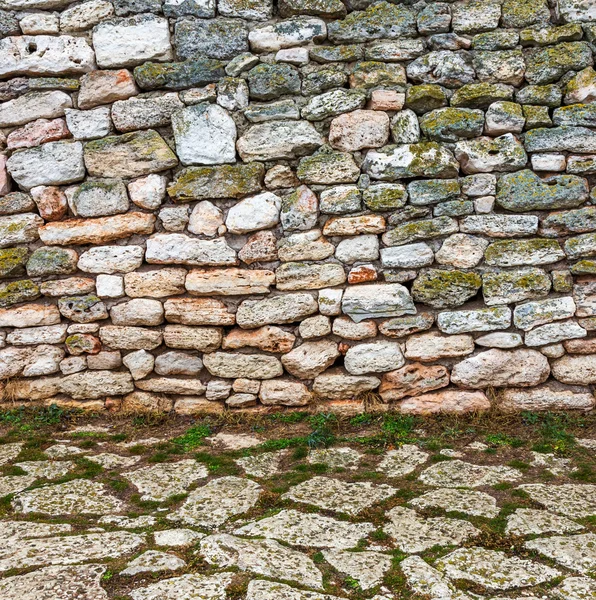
(239, 202)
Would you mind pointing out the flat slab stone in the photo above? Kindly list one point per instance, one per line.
(128, 522)
(336, 458)
(62, 451)
(340, 496)
(457, 473)
(217, 501)
(416, 534)
(269, 590)
(576, 588)
(11, 532)
(9, 452)
(265, 557)
(233, 441)
(48, 469)
(367, 568)
(177, 538)
(111, 461)
(309, 530)
(160, 481)
(494, 570)
(555, 464)
(404, 460)
(75, 497)
(15, 483)
(427, 581)
(576, 552)
(529, 521)
(56, 583)
(261, 465)
(153, 561)
(470, 502)
(70, 550)
(186, 587)
(569, 499)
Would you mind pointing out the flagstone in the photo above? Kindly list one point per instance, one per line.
(128, 522)
(269, 590)
(48, 469)
(367, 568)
(404, 460)
(160, 481)
(177, 537)
(576, 552)
(470, 502)
(555, 464)
(494, 570)
(9, 452)
(186, 587)
(11, 532)
(264, 557)
(153, 561)
(15, 483)
(340, 496)
(79, 496)
(576, 588)
(457, 473)
(234, 441)
(62, 451)
(70, 549)
(262, 465)
(214, 503)
(111, 461)
(81, 582)
(412, 533)
(529, 521)
(572, 500)
(336, 458)
(307, 529)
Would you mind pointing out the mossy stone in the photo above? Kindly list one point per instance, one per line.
(12, 261)
(179, 75)
(481, 95)
(451, 124)
(536, 116)
(372, 74)
(445, 289)
(267, 82)
(426, 97)
(420, 230)
(505, 287)
(326, 167)
(524, 13)
(384, 196)
(14, 292)
(51, 260)
(549, 64)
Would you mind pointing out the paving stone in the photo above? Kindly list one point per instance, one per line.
(111, 461)
(367, 568)
(427, 581)
(70, 550)
(153, 561)
(56, 583)
(576, 552)
(75, 497)
(186, 587)
(11, 484)
(262, 465)
(457, 473)
(214, 503)
(404, 460)
(309, 530)
(177, 538)
(158, 482)
(575, 588)
(336, 458)
(233, 441)
(128, 522)
(494, 570)
(470, 502)
(10, 451)
(12, 532)
(268, 590)
(572, 500)
(529, 521)
(339, 496)
(264, 557)
(47, 469)
(412, 533)
(556, 465)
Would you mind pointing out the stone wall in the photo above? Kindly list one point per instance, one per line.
(244, 203)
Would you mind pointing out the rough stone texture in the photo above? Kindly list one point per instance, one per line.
(224, 173)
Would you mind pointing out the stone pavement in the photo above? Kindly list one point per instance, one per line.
(87, 515)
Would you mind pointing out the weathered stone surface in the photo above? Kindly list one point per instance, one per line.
(460, 500)
(443, 289)
(371, 301)
(520, 284)
(456, 473)
(177, 248)
(337, 385)
(286, 308)
(412, 380)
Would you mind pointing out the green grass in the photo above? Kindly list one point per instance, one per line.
(193, 438)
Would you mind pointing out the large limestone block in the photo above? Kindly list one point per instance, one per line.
(132, 41)
(35, 105)
(229, 282)
(502, 368)
(254, 213)
(54, 163)
(205, 134)
(96, 231)
(286, 308)
(45, 55)
(279, 140)
(129, 155)
(377, 300)
(250, 366)
(177, 248)
(198, 311)
(90, 385)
